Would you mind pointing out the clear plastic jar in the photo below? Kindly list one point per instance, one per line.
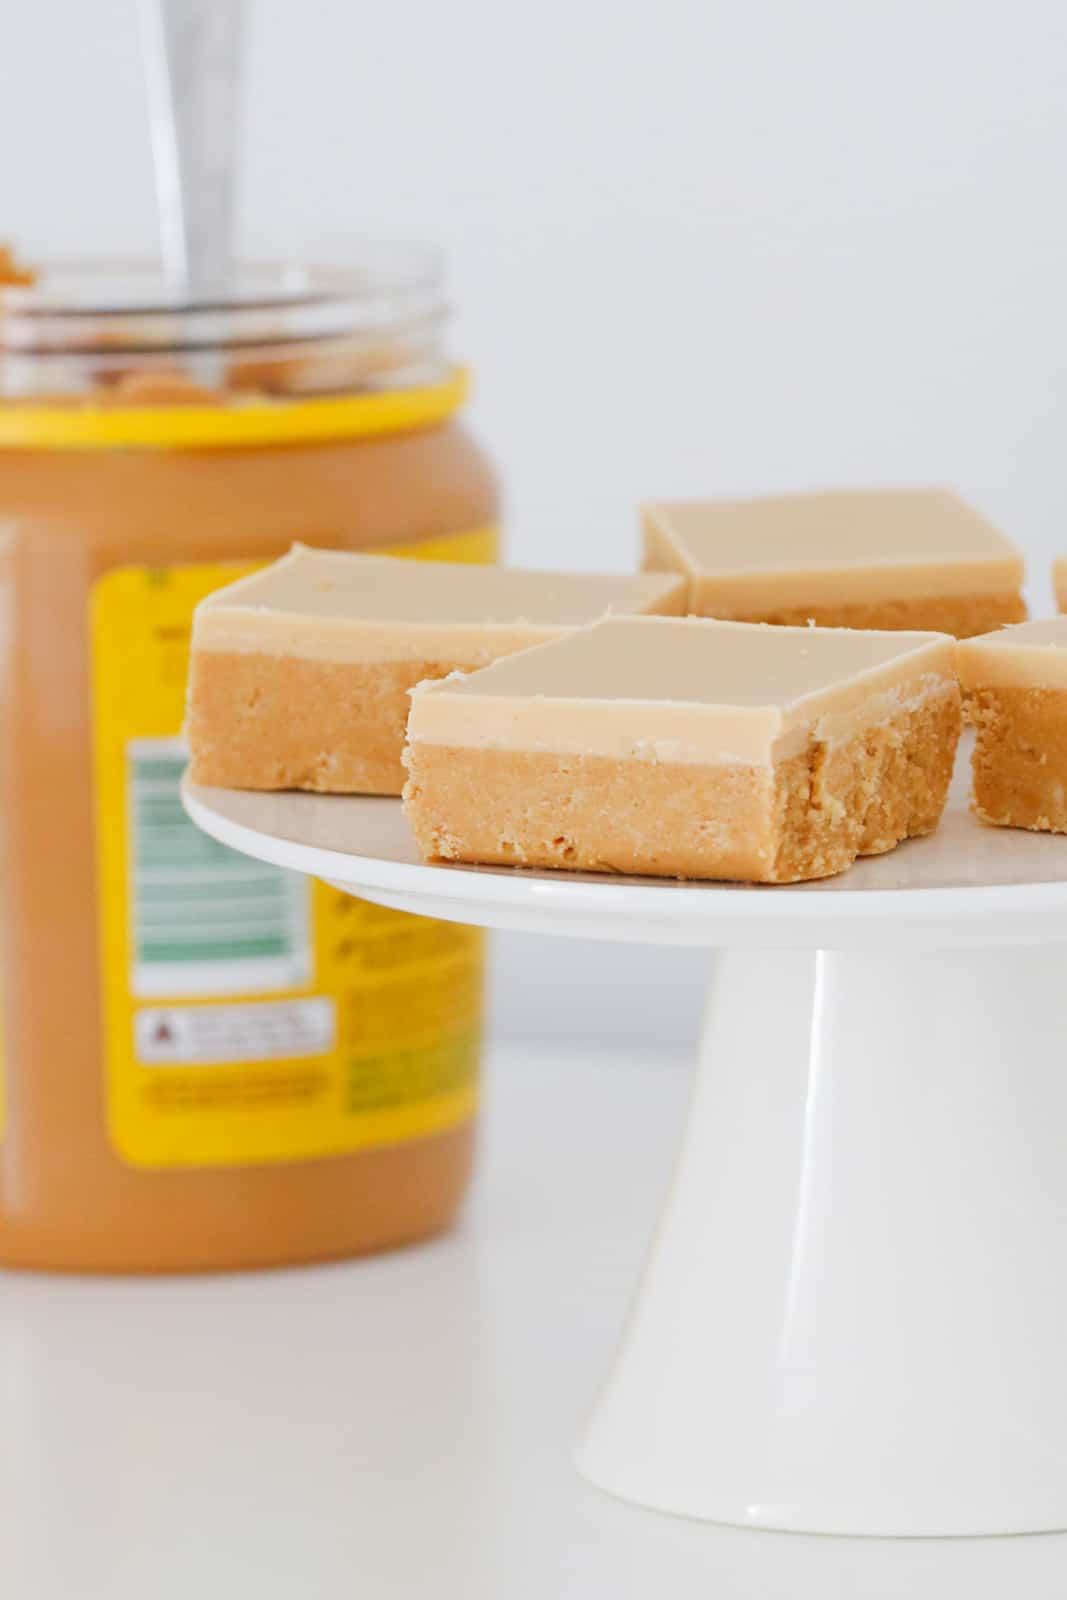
(207, 1064)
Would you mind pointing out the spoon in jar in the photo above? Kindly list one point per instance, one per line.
(192, 52)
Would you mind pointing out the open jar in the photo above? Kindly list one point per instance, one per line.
(207, 1063)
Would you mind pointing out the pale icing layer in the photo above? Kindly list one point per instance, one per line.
(1032, 655)
(689, 691)
(335, 606)
(839, 548)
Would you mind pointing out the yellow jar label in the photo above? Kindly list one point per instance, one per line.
(250, 1015)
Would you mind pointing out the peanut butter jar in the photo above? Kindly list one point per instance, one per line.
(208, 1063)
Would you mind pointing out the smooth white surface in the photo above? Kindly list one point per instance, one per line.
(853, 1317)
(965, 885)
(400, 1429)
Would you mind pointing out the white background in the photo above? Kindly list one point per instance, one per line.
(697, 246)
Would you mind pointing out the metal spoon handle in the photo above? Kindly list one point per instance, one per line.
(192, 58)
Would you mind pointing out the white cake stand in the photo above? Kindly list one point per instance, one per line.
(854, 1314)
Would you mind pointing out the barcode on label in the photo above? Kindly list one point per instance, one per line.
(206, 920)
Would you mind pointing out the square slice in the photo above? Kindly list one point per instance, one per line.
(892, 558)
(687, 749)
(300, 674)
(1015, 682)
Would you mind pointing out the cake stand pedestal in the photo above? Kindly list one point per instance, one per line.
(853, 1318)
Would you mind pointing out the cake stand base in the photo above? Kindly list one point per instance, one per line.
(854, 1315)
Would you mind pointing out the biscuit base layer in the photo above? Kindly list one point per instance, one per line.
(1020, 757)
(261, 721)
(808, 816)
(963, 615)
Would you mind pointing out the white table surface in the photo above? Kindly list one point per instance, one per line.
(402, 1427)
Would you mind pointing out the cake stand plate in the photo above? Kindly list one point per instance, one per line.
(853, 1318)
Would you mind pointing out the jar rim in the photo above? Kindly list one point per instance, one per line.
(117, 286)
(100, 327)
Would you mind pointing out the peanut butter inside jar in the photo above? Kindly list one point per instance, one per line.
(207, 1063)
